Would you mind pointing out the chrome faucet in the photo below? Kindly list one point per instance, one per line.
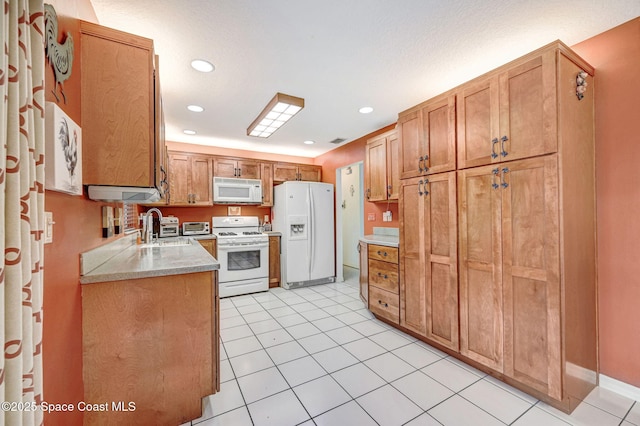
(147, 228)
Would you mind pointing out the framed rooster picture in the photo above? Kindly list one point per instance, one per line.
(63, 152)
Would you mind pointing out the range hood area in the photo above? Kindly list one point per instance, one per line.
(125, 194)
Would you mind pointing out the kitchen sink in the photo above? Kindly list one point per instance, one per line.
(172, 242)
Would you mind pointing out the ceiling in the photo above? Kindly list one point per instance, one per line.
(338, 55)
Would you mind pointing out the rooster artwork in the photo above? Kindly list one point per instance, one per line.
(59, 55)
(70, 149)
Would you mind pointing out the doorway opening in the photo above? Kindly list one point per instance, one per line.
(349, 220)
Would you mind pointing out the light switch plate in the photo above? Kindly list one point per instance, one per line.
(48, 227)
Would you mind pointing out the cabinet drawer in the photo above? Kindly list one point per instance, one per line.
(384, 303)
(388, 254)
(383, 275)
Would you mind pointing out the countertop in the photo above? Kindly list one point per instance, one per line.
(137, 261)
(381, 240)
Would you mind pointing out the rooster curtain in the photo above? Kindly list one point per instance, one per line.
(21, 208)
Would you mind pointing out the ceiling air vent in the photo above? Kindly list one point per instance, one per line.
(337, 141)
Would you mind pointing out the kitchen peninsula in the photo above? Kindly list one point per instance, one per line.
(150, 327)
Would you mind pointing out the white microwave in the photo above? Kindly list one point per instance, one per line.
(237, 191)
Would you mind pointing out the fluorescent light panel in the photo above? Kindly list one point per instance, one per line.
(277, 112)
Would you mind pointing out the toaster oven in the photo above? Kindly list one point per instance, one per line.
(195, 228)
(169, 227)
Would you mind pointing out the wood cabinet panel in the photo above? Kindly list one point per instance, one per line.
(384, 303)
(383, 275)
(531, 274)
(233, 167)
(384, 253)
(283, 172)
(211, 245)
(393, 166)
(118, 108)
(427, 138)
(381, 172)
(274, 261)
(134, 333)
(190, 179)
(266, 175)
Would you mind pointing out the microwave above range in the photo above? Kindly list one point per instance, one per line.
(237, 191)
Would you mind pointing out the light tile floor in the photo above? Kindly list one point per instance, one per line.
(316, 356)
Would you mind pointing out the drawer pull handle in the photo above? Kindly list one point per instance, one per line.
(382, 254)
(383, 304)
(383, 276)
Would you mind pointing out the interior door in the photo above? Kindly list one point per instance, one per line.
(351, 213)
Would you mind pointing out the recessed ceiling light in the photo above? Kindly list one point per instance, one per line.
(202, 65)
(189, 132)
(309, 142)
(195, 108)
(365, 110)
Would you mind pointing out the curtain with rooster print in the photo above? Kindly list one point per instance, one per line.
(21, 209)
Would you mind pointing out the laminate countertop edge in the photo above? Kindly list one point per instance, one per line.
(381, 240)
(138, 261)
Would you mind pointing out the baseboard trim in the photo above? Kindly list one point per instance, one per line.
(622, 388)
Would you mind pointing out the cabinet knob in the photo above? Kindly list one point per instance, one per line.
(382, 253)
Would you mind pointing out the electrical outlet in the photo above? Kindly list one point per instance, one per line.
(371, 217)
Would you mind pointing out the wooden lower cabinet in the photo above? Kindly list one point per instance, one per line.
(274, 261)
(428, 265)
(509, 275)
(153, 342)
(383, 288)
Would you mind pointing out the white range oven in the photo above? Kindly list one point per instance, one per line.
(243, 253)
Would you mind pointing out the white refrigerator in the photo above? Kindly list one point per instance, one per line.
(303, 214)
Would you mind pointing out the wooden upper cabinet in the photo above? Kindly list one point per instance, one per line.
(118, 108)
(382, 178)
(266, 174)
(509, 115)
(427, 138)
(283, 172)
(233, 167)
(429, 261)
(190, 179)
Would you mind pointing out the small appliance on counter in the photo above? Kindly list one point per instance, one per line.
(195, 228)
(169, 227)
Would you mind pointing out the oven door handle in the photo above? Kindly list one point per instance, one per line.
(242, 247)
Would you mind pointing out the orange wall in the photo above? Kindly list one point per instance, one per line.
(349, 154)
(77, 228)
(615, 54)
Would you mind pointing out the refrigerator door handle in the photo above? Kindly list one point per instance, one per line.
(310, 234)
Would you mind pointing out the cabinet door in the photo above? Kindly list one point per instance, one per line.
(528, 117)
(409, 128)
(478, 123)
(266, 175)
(274, 261)
(118, 117)
(531, 281)
(285, 172)
(209, 245)
(441, 258)
(309, 173)
(364, 272)
(201, 181)
(376, 169)
(225, 167)
(248, 169)
(481, 307)
(413, 297)
(439, 132)
(393, 169)
(179, 177)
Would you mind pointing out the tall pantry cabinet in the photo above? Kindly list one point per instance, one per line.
(525, 217)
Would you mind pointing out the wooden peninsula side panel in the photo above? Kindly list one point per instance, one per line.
(152, 342)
